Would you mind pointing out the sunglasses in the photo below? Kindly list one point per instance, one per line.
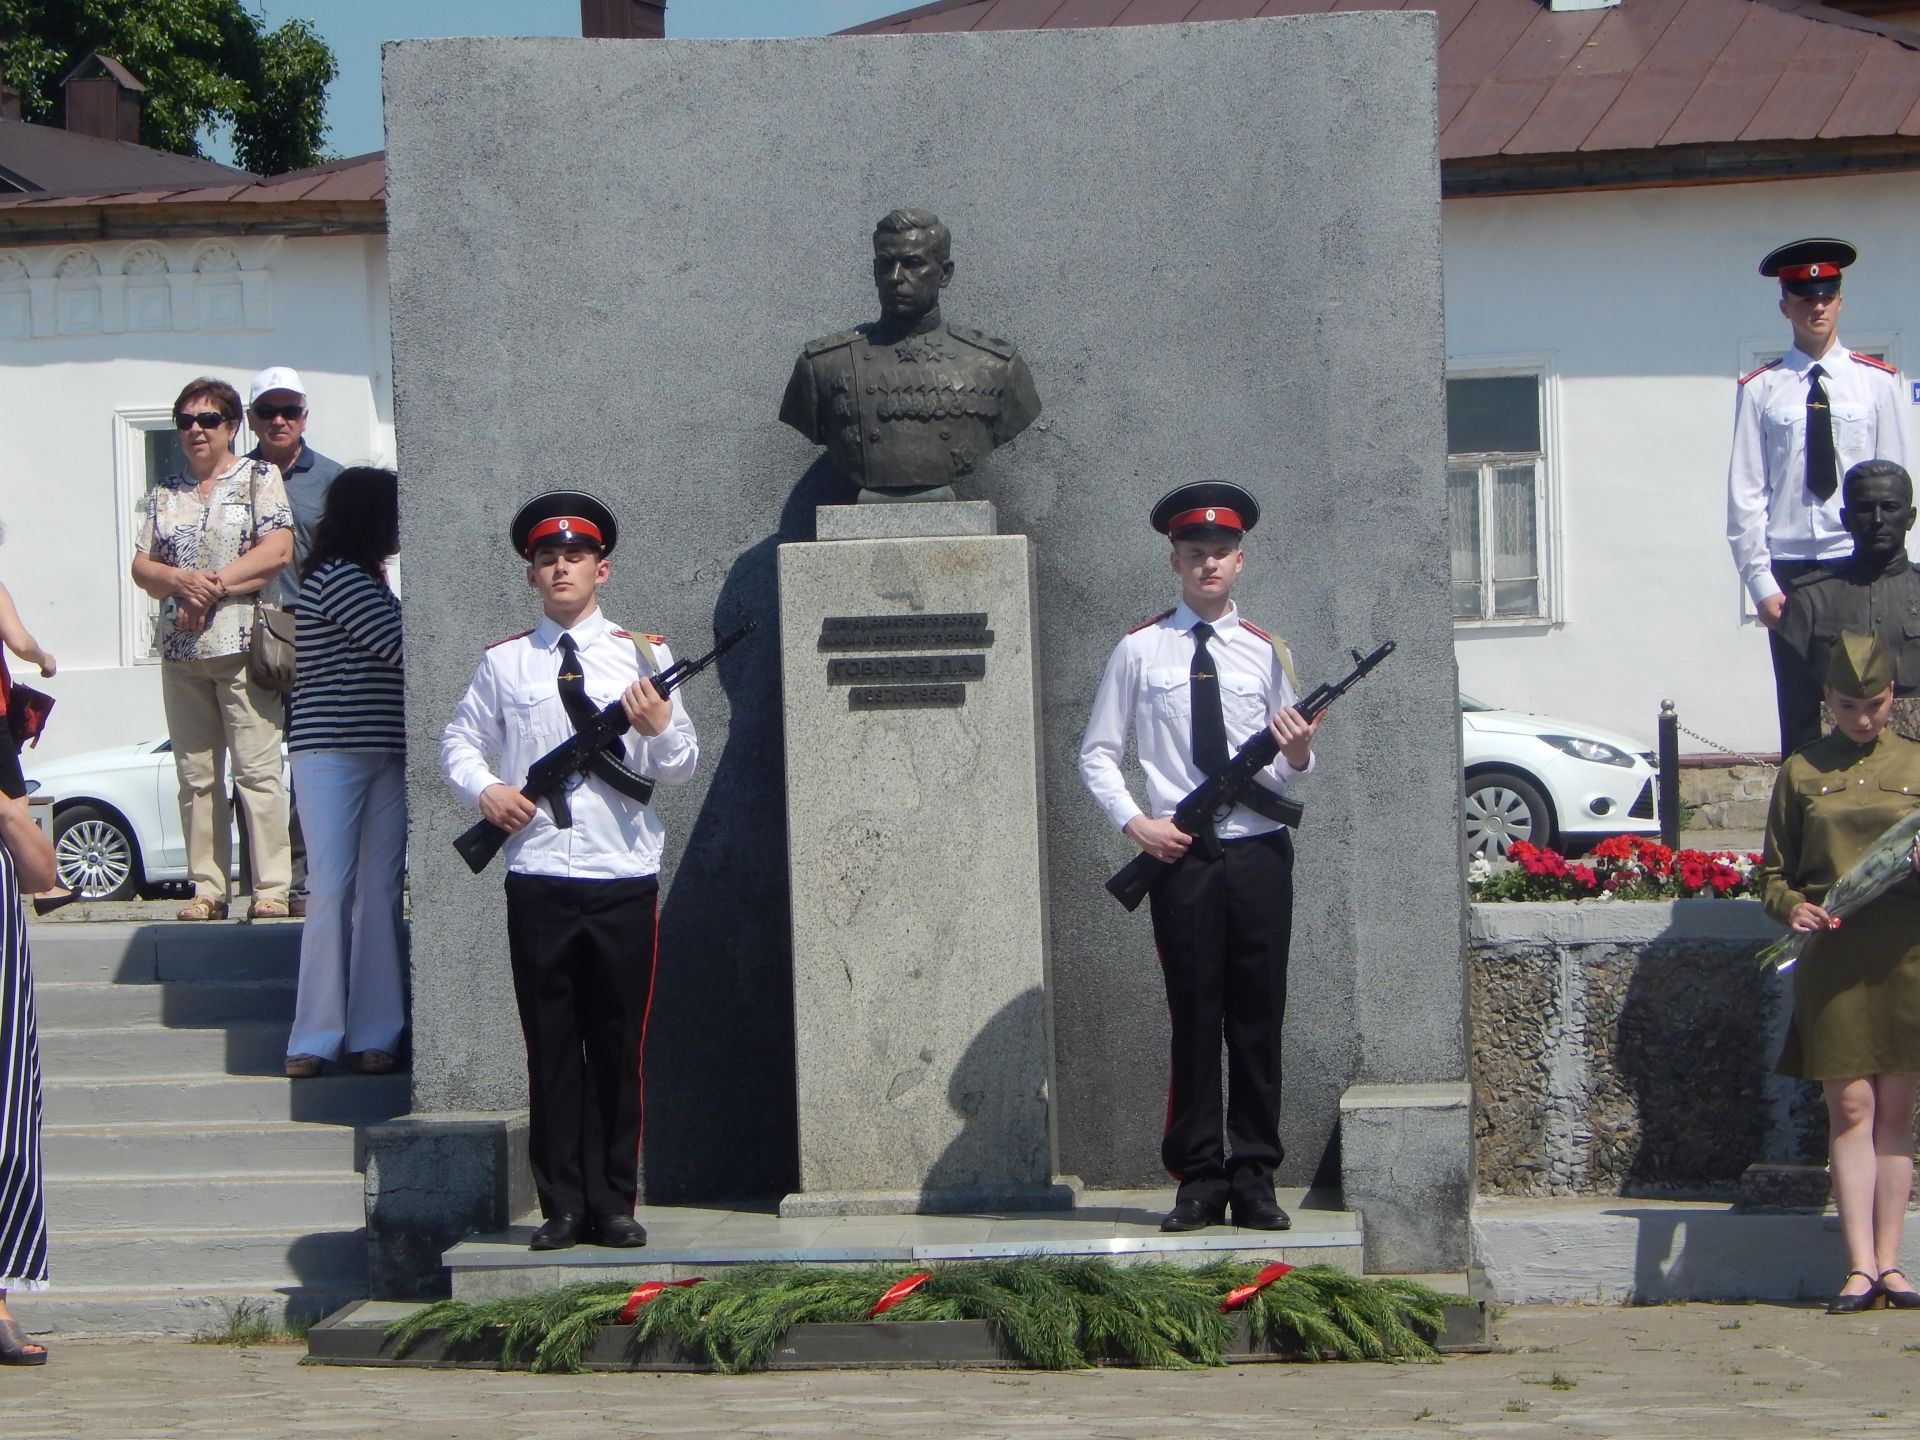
(205, 419)
(279, 412)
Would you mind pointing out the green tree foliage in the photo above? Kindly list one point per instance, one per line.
(204, 63)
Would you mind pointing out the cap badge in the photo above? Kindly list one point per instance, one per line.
(1209, 517)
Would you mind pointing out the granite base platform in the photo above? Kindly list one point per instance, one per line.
(683, 1241)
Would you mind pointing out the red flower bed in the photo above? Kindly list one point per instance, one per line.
(1621, 867)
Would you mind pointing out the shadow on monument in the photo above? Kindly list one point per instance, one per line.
(1694, 1036)
(978, 1157)
(719, 1082)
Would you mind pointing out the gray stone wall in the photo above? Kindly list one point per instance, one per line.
(1628, 1049)
(1217, 246)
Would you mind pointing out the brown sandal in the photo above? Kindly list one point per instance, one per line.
(376, 1062)
(304, 1067)
(201, 908)
(14, 1346)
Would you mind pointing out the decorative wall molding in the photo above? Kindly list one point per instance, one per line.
(152, 285)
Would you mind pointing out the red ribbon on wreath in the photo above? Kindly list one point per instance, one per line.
(1240, 1294)
(897, 1292)
(646, 1290)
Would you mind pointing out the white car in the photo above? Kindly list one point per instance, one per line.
(1550, 782)
(116, 819)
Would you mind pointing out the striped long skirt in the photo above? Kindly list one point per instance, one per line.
(23, 1210)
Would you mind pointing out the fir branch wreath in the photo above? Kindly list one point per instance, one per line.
(1052, 1313)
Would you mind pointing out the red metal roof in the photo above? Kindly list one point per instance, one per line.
(1518, 79)
(362, 178)
(50, 161)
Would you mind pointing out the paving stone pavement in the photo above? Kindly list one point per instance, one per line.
(1671, 1372)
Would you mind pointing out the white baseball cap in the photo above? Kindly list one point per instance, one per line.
(276, 377)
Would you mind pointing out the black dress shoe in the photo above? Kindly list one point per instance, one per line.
(1854, 1304)
(620, 1232)
(1260, 1215)
(1899, 1299)
(561, 1232)
(1190, 1215)
(47, 904)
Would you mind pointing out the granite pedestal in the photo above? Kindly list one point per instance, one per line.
(913, 825)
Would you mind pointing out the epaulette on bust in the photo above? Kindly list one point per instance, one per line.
(980, 340)
(1154, 621)
(1759, 370)
(1812, 577)
(833, 342)
(1875, 362)
(503, 640)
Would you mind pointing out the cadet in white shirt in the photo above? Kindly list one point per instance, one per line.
(1799, 424)
(581, 897)
(1192, 684)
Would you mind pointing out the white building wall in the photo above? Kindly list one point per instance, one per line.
(79, 349)
(1646, 305)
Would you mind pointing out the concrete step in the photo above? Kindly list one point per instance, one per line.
(328, 1100)
(209, 1262)
(150, 1051)
(328, 1200)
(76, 1310)
(145, 954)
(101, 1004)
(81, 1152)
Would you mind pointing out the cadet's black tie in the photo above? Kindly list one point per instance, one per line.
(1821, 477)
(1209, 724)
(573, 682)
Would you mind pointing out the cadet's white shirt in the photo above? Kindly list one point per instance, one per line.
(1771, 515)
(512, 710)
(1145, 689)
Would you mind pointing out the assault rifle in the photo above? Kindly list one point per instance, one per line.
(548, 777)
(1216, 795)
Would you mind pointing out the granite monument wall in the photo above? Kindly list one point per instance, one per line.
(1218, 247)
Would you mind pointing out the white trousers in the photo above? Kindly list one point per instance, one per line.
(353, 807)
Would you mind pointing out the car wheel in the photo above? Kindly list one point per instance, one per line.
(1503, 807)
(96, 853)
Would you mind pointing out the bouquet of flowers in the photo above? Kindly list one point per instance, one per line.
(1887, 862)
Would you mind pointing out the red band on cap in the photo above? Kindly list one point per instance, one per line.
(1819, 270)
(564, 523)
(1211, 515)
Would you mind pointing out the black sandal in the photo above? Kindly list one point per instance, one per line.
(1855, 1304)
(14, 1343)
(1898, 1299)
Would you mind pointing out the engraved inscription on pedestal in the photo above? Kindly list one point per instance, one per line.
(906, 697)
(904, 632)
(905, 682)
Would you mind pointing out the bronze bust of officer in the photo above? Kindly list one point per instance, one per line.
(908, 404)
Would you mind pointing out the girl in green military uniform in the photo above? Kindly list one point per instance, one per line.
(1856, 990)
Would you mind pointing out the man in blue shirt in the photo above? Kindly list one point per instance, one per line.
(277, 410)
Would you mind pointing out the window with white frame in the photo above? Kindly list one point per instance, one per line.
(1496, 498)
(146, 449)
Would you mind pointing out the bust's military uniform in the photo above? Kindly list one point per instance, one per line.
(1855, 597)
(924, 409)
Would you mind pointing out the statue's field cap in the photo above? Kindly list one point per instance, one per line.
(1810, 267)
(1859, 667)
(564, 517)
(1206, 510)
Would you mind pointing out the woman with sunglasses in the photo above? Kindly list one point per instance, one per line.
(212, 537)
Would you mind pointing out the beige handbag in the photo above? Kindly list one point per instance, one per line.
(270, 653)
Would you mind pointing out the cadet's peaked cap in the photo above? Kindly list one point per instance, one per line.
(1206, 510)
(1810, 267)
(1859, 666)
(564, 517)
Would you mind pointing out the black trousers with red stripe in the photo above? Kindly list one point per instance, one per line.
(1223, 928)
(583, 956)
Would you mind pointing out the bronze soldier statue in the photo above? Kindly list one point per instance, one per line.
(908, 404)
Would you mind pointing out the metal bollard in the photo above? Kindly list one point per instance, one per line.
(1669, 776)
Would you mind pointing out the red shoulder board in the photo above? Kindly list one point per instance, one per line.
(650, 639)
(1761, 371)
(1875, 363)
(521, 636)
(1249, 625)
(1154, 621)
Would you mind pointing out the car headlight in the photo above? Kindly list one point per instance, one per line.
(1594, 750)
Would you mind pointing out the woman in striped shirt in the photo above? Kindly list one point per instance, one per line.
(346, 739)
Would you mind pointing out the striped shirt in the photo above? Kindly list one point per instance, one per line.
(347, 694)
